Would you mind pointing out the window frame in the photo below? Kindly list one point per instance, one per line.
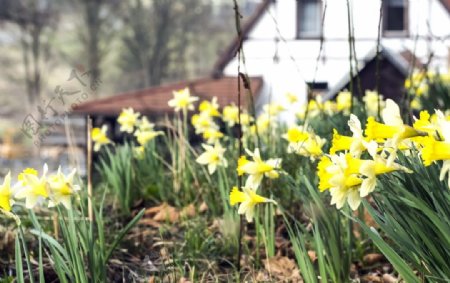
(298, 34)
(396, 33)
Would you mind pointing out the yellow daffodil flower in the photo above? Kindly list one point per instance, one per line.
(248, 199)
(99, 137)
(356, 144)
(213, 157)
(143, 137)
(372, 99)
(182, 100)
(273, 109)
(330, 107)
(62, 188)
(371, 168)
(230, 115)
(246, 119)
(202, 122)
(212, 135)
(6, 192)
(340, 142)
(263, 123)
(350, 179)
(295, 135)
(304, 143)
(258, 168)
(209, 108)
(393, 127)
(291, 97)
(145, 125)
(34, 188)
(139, 151)
(344, 101)
(21, 176)
(128, 120)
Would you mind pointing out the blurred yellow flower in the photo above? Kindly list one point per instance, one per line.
(128, 119)
(210, 108)
(295, 135)
(182, 100)
(6, 192)
(344, 101)
(291, 97)
(99, 137)
(304, 143)
(34, 188)
(213, 157)
(258, 168)
(212, 135)
(230, 115)
(248, 199)
(202, 122)
(62, 188)
(245, 119)
(21, 176)
(372, 100)
(273, 109)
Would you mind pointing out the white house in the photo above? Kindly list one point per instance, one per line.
(282, 42)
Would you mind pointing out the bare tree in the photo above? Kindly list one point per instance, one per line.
(32, 17)
(157, 38)
(99, 18)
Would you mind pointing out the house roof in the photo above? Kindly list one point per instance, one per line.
(153, 101)
(446, 4)
(399, 62)
(232, 48)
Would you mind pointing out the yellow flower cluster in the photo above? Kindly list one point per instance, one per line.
(316, 106)
(56, 188)
(435, 146)
(303, 142)
(204, 123)
(417, 85)
(256, 169)
(350, 178)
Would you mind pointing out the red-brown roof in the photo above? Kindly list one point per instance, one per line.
(446, 4)
(153, 101)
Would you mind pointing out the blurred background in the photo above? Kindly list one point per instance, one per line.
(63, 60)
(57, 53)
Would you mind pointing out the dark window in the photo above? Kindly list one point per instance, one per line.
(395, 16)
(309, 18)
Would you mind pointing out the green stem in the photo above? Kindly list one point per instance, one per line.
(27, 255)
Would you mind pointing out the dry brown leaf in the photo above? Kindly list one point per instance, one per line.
(151, 279)
(312, 255)
(370, 259)
(155, 209)
(370, 278)
(387, 278)
(203, 207)
(282, 267)
(184, 280)
(188, 211)
(167, 212)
